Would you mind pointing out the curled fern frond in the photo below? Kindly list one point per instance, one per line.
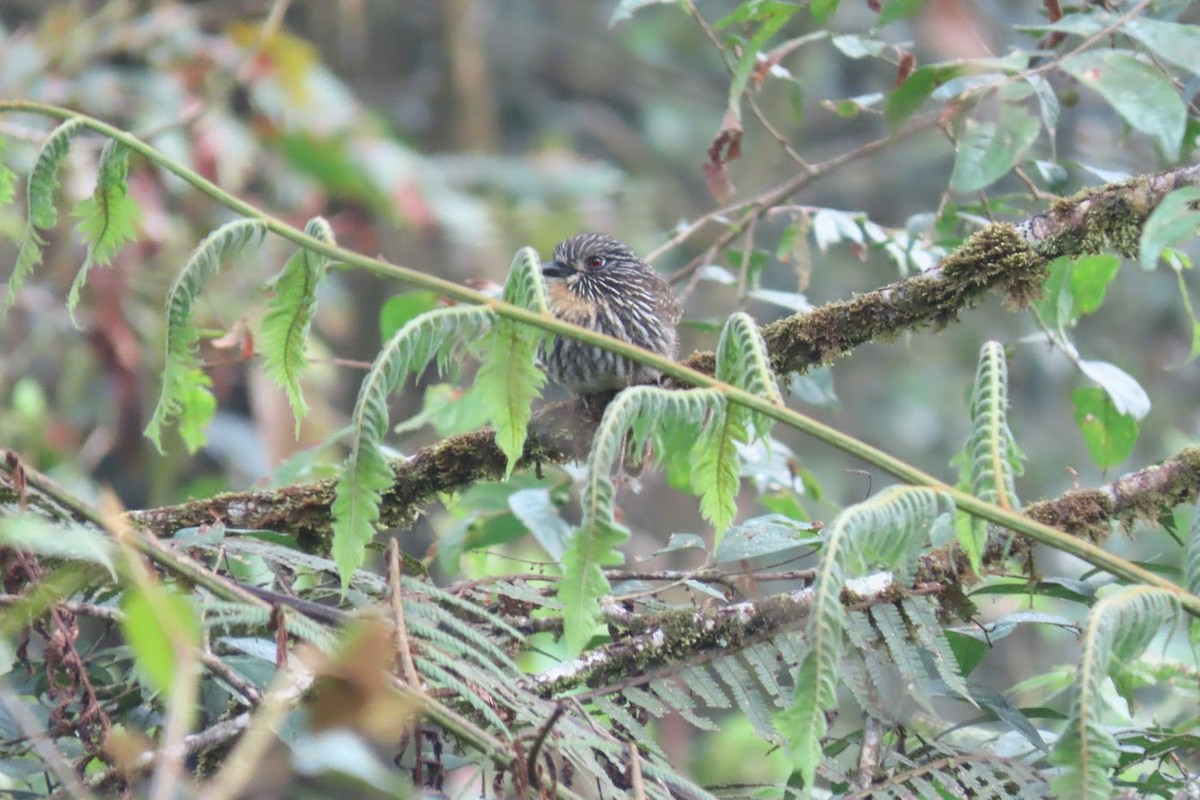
(991, 458)
(629, 423)
(1191, 561)
(283, 336)
(185, 392)
(43, 213)
(509, 379)
(107, 218)
(1118, 629)
(439, 334)
(886, 530)
(743, 361)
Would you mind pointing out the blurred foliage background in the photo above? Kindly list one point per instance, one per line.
(445, 134)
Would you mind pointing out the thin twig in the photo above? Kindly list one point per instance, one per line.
(403, 649)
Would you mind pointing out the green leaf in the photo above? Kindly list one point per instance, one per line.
(902, 103)
(283, 336)
(896, 10)
(1141, 94)
(509, 380)
(398, 310)
(157, 623)
(987, 151)
(185, 395)
(1090, 277)
(771, 535)
(1109, 435)
(1118, 629)
(539, 515)
(8, 179)
(1174, 41)
(1173, 222)
(43, 213)
(1127, 395)
(442, 334)
(108, 218)
(76, 542)
(634, 418)
(715, 473)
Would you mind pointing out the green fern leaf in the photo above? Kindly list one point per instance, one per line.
(885, 530)
(991, 459)
(185, 395)
(43, 213)
(439, 334)
(627, 426)
(108, 218)
(8, 179)
(509, 379)
(283, 336)
(715, 469)
(1119, 628)
(1191, 561)
(742, 360)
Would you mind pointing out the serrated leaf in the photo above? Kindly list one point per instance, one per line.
(441, 334)
(283, 336)
(987, 151)
(1109, 434)
(43, 213)
(1141, 94)
(1173, 221)
(108, 218)
(509, 380)
(157, 621)
(185, 396)
(715, 470)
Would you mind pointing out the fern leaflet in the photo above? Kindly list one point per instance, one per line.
(283, 336)
(185, 392)
(742, 361)
(439, 334)
(43, 213)
(107, 218)
(991, 458)
(886, 530)
(1119, 627)
(509, 379)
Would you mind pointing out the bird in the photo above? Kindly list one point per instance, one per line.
(599, 283)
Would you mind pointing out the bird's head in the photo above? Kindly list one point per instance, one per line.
(592, 258)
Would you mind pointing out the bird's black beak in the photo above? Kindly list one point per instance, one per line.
(556, 269)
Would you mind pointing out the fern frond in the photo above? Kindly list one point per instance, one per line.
(922, 615)
(43, 213)
(509, 379)
(1119, 627)
(283, 336)
(108, 218)
(742, 361)
(885, 530)
(595, 544)
(436, 334)
(991, 458)
(185, 395)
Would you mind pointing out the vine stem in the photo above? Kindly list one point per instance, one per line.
(1044, 534)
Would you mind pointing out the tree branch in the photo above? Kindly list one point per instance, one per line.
(1009, 259)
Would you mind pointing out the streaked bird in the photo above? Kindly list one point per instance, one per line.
(599, 283)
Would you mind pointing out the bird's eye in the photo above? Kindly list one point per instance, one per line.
(594, 262)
